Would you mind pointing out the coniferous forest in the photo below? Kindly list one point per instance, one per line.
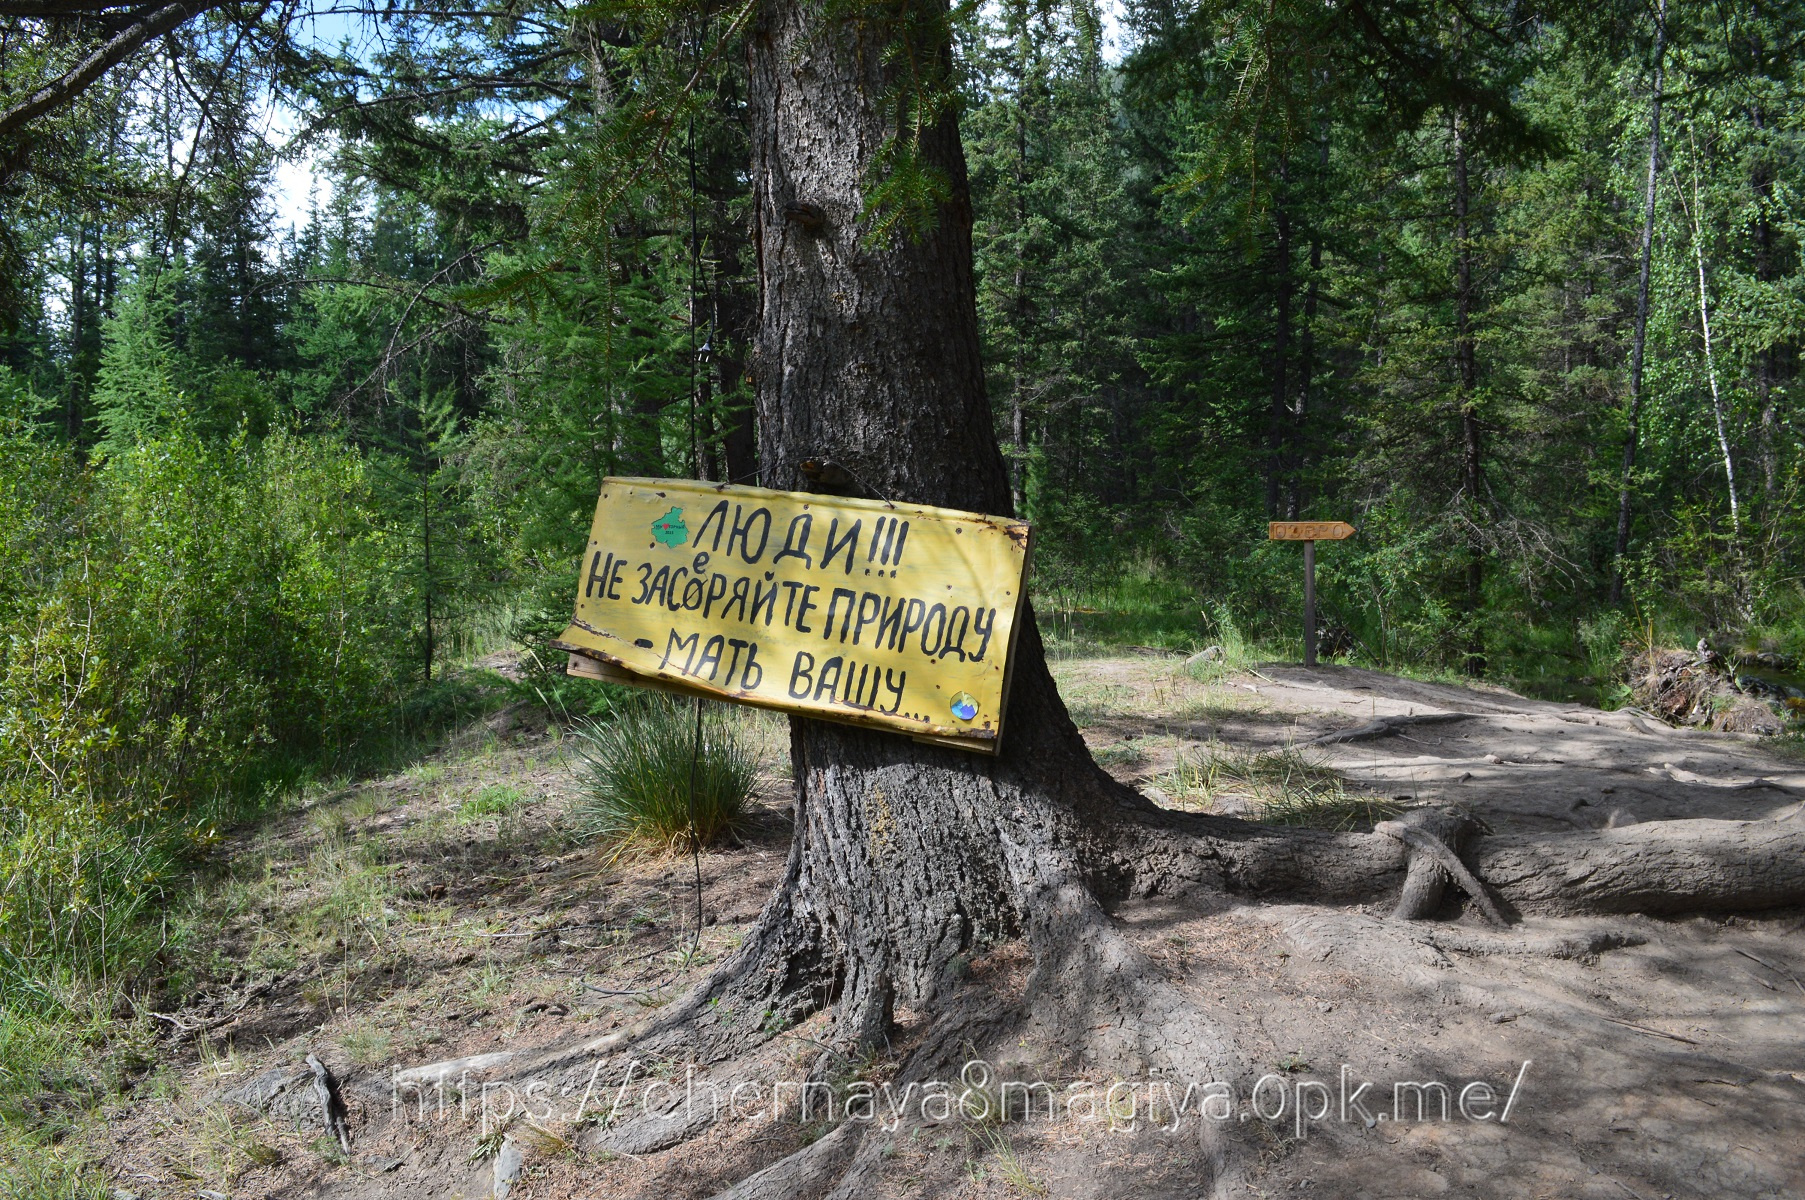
(1515, 289)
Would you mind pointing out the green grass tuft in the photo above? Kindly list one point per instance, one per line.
(1286, 786)
(636, 773)
(496, 801)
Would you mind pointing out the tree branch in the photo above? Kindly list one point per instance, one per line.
(59, 8)
(153, 22)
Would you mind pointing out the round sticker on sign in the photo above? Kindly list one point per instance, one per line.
(964, 706)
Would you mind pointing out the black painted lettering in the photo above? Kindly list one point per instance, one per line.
(612, 588)
(717, 516)
(833, 604)
(889, 626)
(762, 599)
(741, 587)
(869, 604)
(877, 537)
(675, 643)
(742, 534)
(710, 662)
(853, 694)
(754, 674)
(802, 609)
(733, 663)
(902, 535)
(717, 587)
(804, 669)
(692, 595)
(849, 543)
(661, 588)
(912, 619)
(983, 623)
(894, 685)
(935, 614)
(791, 547)
(645, 583)
(958, 624)
(598, 576)
(827, 683)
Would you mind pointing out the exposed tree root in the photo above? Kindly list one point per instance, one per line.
(1658, 867)
(1093, 994)
(1383, 727)
(812, 1171)
(1390, 948)
(1433, 836)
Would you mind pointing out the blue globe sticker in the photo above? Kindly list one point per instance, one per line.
(965, 707)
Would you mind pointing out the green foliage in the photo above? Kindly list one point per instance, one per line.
(46, 1086)
(497, 800)
(34, 1172)
(1235, 652)
(638, 770)
(206, 623)
(1287, 786)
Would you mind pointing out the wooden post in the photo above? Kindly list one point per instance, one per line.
(1308, 532)
(1310, 603)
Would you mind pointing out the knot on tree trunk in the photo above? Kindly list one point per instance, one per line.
(1434, 836)
(811, 217)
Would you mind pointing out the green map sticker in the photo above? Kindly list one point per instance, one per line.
(670, 529)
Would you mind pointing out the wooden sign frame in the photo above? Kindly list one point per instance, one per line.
(900, 617)
(1308, 531)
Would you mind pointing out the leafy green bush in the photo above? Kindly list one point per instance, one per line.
(637, 770)
(185, 628)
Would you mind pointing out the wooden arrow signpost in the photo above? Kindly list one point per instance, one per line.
(1309, 533)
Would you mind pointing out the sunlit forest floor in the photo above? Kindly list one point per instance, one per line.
(447, 911)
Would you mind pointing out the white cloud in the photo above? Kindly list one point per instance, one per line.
(300, 182)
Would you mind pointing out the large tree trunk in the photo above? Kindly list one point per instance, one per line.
(867, 356)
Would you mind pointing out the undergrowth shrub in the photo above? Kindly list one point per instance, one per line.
(1233, 651)
(185, 629)
(636, 770)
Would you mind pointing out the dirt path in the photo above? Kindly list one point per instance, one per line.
(430, 917)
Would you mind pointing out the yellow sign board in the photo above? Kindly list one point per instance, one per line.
(895, 616)
(1308, 531)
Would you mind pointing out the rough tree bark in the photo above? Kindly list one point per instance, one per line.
(906, 856)
(1639, 343)
(1280, 420)
(1466, 365)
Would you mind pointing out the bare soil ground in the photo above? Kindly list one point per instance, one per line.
(449, 912)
